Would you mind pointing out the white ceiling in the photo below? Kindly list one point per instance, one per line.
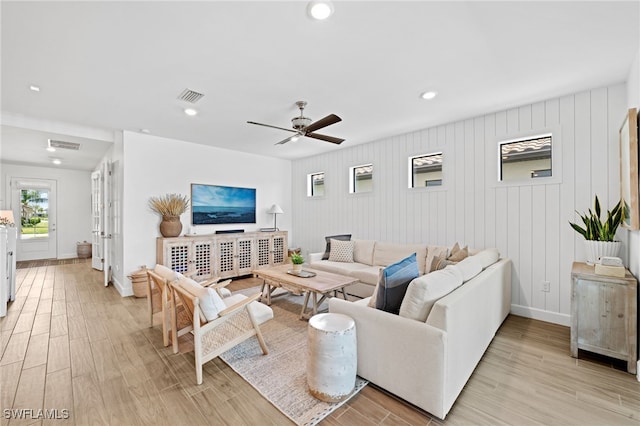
(117, 65)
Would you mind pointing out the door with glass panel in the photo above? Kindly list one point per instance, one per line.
(33, 201)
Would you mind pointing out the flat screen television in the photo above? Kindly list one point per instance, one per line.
(217, 205)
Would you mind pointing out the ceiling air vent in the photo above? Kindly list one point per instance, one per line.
(64, 145)
(191, 96)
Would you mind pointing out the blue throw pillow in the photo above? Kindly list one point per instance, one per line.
(394, 280)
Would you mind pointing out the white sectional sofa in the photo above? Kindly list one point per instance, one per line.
(427, 363)
(369, 256)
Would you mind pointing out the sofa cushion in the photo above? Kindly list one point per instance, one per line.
(393, 283)
(327, 250)
(487, 257)
(210, 301)
(367, 275)
(387, 253)
(338, 267)
(469, 267)
(363, 251)
(341, 251)
(166, 273)
(425, 291)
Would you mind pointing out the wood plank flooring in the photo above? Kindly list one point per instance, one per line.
(70, 345)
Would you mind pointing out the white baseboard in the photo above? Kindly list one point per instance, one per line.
(67, 256)
(124, 291)
(542, 315)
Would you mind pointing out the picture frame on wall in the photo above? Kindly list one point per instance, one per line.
(629, 169)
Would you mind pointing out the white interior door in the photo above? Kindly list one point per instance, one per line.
(33, 201)
(107, 219)
(97, 207)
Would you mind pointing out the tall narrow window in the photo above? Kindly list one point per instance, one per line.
(526, 158)
(360, 178)
(34, 213)
(315, 184)
(426, 170)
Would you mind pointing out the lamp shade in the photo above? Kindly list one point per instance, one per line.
(275, 209)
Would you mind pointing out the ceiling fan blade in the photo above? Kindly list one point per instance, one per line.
(274, 127)
(283, 141)
(323, 122)
(331, 139)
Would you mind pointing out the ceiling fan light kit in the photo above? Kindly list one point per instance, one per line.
(320, 10)
(303, 126)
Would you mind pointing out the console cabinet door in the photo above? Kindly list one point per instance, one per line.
(278, 249)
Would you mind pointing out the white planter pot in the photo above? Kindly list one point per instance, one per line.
(598, 249)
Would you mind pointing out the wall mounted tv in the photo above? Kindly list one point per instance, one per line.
(216, 205)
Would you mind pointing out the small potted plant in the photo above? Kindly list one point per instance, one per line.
(170, 207)
(599, 235)
(297, 261)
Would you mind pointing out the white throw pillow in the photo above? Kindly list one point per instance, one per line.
(426, 290)
(341, 251)
(210, 301)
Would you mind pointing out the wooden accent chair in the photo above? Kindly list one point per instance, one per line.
(238, 321)
(174, 317)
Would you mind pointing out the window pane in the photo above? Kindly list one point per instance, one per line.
(317, 185)
(426, 170)
(34, 214)
(362, 178)
(526, 159)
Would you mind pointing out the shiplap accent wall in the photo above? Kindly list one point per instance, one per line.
(527, 223)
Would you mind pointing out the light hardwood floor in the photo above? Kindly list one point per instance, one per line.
(68, 343)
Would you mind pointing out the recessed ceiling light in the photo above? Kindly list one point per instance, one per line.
(295, 138)
(190, 111)
(51, 149)
(429, 94)
(145, 131)
(34, 88)
(320, 10)
(56, 161)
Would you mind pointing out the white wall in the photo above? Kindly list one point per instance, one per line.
(633, 101)
(73, 201)
(527, 223)
(156, 166)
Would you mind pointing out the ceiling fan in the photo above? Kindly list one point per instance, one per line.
(302, 126)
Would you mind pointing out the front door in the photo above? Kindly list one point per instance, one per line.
(34, 202)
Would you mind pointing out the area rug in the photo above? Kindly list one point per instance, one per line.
(280, 376)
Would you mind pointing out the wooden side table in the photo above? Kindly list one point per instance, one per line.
(604, 314)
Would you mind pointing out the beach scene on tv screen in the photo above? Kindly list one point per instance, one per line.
(214, 204)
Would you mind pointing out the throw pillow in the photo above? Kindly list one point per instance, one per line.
(210, 301)
(341, 251)
(393, 283)
(458, 255)
(327, 250)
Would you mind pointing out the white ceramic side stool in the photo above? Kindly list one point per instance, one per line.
(332, 356)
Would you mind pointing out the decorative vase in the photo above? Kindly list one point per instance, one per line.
(170, 226)
(598, 249)
(297, 268)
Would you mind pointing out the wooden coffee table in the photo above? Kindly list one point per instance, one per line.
(322, 284)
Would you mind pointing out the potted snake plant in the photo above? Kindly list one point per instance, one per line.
(599, 235)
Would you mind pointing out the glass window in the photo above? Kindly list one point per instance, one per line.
(360, 178)
(34, 213)
(426, 170)
(315, 184)
(526, 158)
